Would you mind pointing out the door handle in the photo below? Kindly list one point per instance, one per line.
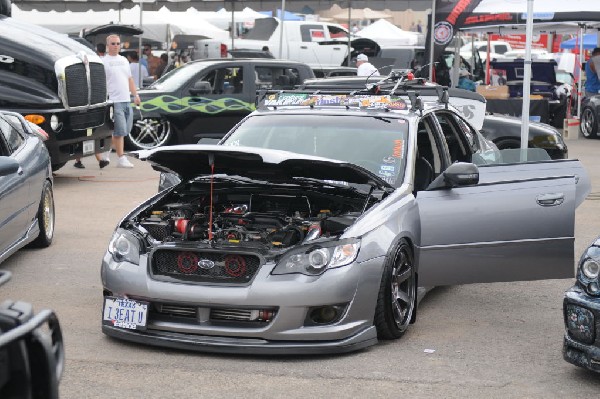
(20, 171)
(303, 47)
(336, 49)
(552, 199)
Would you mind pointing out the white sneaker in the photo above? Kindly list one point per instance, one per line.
(105, 156)
(124, 162)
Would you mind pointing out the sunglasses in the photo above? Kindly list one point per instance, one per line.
(115, 43)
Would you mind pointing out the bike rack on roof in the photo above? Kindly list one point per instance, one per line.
(398, 83)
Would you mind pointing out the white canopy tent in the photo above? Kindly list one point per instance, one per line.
(387, 34)
(160, 26)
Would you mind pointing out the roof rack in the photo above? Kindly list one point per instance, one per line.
(397, 83)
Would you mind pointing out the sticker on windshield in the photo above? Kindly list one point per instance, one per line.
(389, 160)
(398, 145)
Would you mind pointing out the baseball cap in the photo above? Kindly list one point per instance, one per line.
(362, 57)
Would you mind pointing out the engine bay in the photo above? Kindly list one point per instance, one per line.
(272, 217)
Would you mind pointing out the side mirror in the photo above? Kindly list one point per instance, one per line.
(201, 87)
(458, 174)
(8, 166)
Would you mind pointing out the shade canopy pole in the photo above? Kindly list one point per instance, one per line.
(526, 81)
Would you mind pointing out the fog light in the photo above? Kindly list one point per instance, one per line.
(55, 123)
(324, 314)
(580, 324)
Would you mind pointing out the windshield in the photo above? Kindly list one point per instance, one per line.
(377, 144)
(176, 78)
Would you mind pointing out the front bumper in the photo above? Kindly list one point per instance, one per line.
(355, 287)
(582, 354)
(248, 346)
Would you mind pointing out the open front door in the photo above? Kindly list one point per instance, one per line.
(509, 227)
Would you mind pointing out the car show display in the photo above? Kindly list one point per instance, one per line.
(262, 250)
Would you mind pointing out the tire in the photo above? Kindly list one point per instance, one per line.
(57, 166)
(149, 133)
(397, 297)
(45, 218)
(508, 144)
(589, 123)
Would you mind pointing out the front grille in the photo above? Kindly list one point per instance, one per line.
(173, 312)
(203, 266)
(176, 310)
(98, 83)
(87, 119)
(76, 83)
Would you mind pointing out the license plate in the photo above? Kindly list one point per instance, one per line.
(88, 147)
(125, 313)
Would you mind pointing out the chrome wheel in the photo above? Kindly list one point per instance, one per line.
(588, 124)
(397, 294)
(149, 133)
(45, 216)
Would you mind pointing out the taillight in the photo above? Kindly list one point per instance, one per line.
(223, 50)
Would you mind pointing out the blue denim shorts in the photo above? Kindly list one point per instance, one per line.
(123, 117)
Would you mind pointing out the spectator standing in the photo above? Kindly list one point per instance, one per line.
(138, 71)
(103, 161)
(364, 67)
(164, 61)
(464, 80)
(152, 60)
(592, 80)
(420, 27)
(119, 85)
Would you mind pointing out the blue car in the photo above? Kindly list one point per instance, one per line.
(27, 211)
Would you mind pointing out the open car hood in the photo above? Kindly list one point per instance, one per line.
(541, 70)
(192, 160)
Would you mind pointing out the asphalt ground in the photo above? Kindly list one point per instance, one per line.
(500, 340)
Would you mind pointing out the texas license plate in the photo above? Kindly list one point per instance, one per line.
(125, 313)
(88, 147)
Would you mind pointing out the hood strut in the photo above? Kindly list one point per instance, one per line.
(211, 162)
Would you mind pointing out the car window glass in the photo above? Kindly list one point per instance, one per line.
(501, 49)
(453, 136)
(13, 137)
(312, 33)
(224, 80)
(4, 150)
(468, 132)
(335, 32)
(268, 77)
(427, 145)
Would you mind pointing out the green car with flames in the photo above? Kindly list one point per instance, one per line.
(206, 98)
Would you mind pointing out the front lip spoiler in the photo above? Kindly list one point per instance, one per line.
(244, 346)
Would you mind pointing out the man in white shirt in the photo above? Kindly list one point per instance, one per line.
(365, 68)
(138, 72)
(119, 85)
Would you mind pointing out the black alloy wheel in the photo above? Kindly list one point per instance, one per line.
(149, 133)
(45, 218)
(589, 123)
(397, 294)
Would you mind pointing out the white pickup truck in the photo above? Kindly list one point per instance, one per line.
(314, 43)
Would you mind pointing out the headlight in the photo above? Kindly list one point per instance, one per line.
(315, 259)
(590, 268)
(124, 247)
(55, 123)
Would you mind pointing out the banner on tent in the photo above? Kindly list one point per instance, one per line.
(449, 17)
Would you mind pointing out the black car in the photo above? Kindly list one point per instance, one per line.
(590, 110)
(32, 355)
(505, 132)
(206, 98)
(581, 308)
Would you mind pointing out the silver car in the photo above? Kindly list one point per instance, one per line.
(311, 226)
